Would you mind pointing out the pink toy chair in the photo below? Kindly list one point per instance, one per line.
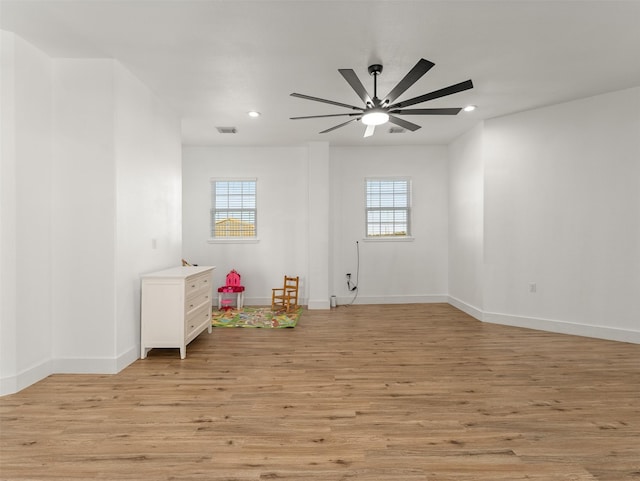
(232, 286)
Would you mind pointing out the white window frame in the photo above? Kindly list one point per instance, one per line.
(240, 210)
(402, 207)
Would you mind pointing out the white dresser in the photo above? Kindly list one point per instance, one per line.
(175, 307)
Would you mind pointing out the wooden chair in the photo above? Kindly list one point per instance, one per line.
(286, 297)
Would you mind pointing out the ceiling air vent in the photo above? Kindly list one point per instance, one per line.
(227, 130)
(397, 130)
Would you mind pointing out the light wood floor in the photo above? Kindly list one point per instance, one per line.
(373, 393)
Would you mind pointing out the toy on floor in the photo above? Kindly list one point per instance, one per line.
(232, 286)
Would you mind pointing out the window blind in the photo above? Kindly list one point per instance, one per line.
(233, 208)
(388, 207)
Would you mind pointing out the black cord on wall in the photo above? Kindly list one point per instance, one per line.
(351, 286)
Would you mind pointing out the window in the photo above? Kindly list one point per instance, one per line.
(233, 209)
(388, 208)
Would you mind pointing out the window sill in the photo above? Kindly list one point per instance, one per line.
(389, 239)
(234, 240)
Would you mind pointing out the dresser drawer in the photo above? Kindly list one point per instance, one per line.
(196, 300)
(192, 285)
(204, 281)
(196, 318)
(197, 283)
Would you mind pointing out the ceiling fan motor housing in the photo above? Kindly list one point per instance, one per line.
(375, 69)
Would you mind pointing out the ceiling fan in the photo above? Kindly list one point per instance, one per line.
(380, 111)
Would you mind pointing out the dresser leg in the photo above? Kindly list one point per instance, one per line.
(183, 352)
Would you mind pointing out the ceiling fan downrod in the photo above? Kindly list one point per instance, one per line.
(375, 70)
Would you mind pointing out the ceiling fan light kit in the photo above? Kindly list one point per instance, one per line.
(380, 111)
(375, 117)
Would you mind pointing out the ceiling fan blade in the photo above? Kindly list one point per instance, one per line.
(403, 123)
(320, 116)
(436, 94)
(339, 125)
(421, 68)
(426, 111)
(317, 99)
(353, 80)
(369, 131)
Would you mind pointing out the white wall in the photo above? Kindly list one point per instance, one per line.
(466, 222)
(562, 210)
(319, 225)
(8, 353)
(117, 209)
(90, 175)
(283, 223)
(25, 219)
(413, 271)
(148, 166)
(391, 271)
(550, 197)
(83, 200)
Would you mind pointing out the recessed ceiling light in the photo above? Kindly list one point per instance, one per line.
(469, 108)
(254, 114)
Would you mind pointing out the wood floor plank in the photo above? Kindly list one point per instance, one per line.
(399, 393)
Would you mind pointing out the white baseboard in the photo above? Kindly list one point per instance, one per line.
(318, 304)
(466, 308)
(95, 365)
(549, 325)
(325, 304)
(27, 377)
(410, 299)
(8, 385)
(85, 366)
(266, 301)
(127, 358)
(563, 327)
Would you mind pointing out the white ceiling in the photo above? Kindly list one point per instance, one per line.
(213, 61)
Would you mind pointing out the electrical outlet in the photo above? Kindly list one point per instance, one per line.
(348, 276)
(533, 288)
